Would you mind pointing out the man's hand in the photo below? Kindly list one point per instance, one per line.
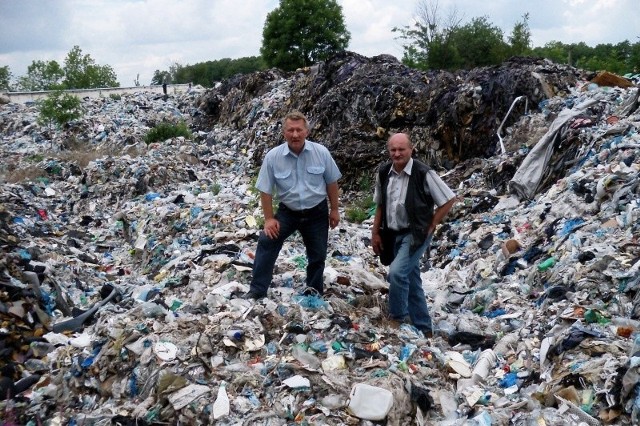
(272, 228)
(376, 243)
(334, 218)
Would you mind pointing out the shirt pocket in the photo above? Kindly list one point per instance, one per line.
(315, 176)
(284, 180)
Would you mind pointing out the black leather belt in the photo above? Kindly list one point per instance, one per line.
(401, 231)
(303, 212)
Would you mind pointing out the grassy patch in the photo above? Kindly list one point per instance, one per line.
(164, 131)
(360, 210)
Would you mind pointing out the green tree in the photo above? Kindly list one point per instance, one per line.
(207, 73)
(5, 78)
(58, 109)
(160, 77)
(444, 54)
(633, 62)
(299, 33)
(430, 43)
(42, 75)
(81, 72)
(554, 51)
(520, 38)
(480, 43)
(171, 76)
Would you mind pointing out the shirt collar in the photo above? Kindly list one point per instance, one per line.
(287, 151)
(407, 167)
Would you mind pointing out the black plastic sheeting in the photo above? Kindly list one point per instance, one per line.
(354, 103)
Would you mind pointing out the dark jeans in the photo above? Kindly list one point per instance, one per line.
(313, 225)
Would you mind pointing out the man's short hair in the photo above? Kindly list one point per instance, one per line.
(295, 116)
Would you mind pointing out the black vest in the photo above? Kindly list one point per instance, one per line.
(418, 203)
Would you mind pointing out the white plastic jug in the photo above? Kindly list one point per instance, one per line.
(370, 402)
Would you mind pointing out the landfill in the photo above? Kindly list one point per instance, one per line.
(124, 262)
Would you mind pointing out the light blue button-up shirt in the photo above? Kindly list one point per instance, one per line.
(298, 181)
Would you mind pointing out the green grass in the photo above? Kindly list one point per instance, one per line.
(164, 131)
(360, 210)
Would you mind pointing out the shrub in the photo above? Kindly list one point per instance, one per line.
(356, 214)
(361, 210)
(59, 108)
(215, 188)
(164, 131)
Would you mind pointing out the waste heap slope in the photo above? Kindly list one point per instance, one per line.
(123, 263)
(354, 103)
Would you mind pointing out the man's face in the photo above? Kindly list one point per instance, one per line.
(295, 132)
(400, 151)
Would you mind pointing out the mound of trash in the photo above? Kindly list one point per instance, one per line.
(123, 262)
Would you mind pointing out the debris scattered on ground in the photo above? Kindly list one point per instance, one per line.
(123, 263)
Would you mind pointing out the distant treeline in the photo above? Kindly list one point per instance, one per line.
(621, 58)
(475, 45)
(206, 74)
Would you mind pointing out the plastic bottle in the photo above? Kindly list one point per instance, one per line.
(485, 363)
(235, 334)
(406, 351)
(635, 349)
(305, 358)
(318, 346)
(35, 365)
(543, 266)
(40, 349)
(221, 404)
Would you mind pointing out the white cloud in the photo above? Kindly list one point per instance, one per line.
(141, 36)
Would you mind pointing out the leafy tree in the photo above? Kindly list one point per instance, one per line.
(78, 72)
(433, 43)
(207, 73)
(430, 45)
(81, 72)
(633, 61)
(171, 76)
(520, 38)
(59, 108)
(299, 33)
(621, 58)
(479, 43)
(42, 75)
(160, 77)
(553, 50)
(5, 78)
(444, 54)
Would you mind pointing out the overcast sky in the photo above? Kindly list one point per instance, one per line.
(141, 36)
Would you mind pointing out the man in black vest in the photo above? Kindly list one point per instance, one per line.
(411, 201)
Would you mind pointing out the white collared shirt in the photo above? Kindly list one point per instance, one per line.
(396, 213)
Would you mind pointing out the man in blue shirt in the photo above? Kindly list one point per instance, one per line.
(302, 174)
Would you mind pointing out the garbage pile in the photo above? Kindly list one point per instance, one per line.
(122, 267)
(354, 103)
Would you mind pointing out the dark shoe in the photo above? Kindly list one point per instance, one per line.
(427, 331)
(397, 322)
(251, 295)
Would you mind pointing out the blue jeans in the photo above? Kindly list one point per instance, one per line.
(406, 296)
(313, 225)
